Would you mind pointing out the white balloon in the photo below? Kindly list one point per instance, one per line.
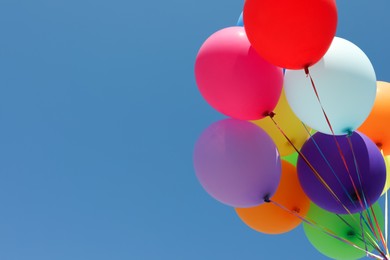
(346, 84)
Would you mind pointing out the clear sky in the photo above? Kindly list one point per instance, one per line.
(99, 112)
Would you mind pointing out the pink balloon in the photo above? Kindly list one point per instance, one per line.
(234, 79)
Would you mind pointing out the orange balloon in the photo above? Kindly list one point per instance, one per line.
(375, 126)
(271, 219)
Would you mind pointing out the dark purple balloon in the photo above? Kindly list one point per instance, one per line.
(371, 171)
(237, 163)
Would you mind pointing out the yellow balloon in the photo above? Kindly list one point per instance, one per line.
(290, 125)
(387, 184)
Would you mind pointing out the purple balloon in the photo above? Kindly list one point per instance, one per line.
(368, 177)
(237, 163)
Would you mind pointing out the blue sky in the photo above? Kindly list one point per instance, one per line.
(99, 112)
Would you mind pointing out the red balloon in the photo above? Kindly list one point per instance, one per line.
(291, 34)
(234, 79)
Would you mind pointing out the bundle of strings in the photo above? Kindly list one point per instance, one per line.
(370, 231)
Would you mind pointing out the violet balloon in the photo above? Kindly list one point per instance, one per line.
(366, 172)
(237, 163)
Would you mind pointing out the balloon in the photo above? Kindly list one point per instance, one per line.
(369, 180)
(234, 79)
(237, 163)
(240, 21)
(332, 247)
(292, 158)
(375, 125)
(346, 84)
(290, 125)
(291, 34)
(271, 219)
(387, 184)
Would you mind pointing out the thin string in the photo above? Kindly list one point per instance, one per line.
(357, 170)
(386, 221)
(325, 115)
(271, 115)
(362, 228)
(341, 184)
(374, 243)
(371, 241)
(370, 226)
(307, 72)
(386, 206)
(329, 165)
(337, 144)
(379, 229)
(326, 230)
(335, 139)
(361, 186)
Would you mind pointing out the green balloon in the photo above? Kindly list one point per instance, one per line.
(332, 247)
(292, 158)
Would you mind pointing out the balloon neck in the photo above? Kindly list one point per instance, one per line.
(270, 114)
(307, 70)
(349, 133)
(351, 233)
(296, 210)
(379, 145)
(355, 197)
(267, 199)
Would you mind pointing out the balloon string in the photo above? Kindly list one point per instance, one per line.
(361, 188)
(371, 241)
(329, 165)
(357, 170)
(379, 229)
(307, 72)
(325, 115)
(383, 240)
(271, 115)
(370, 225)
(386, 221)
(362, 228)
(336, 176)
(386, 206)
(324, 229)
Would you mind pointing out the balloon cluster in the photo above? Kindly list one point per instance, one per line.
(302, 145)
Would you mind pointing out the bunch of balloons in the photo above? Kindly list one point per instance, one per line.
(305, 140)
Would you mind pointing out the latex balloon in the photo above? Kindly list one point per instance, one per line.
(237, 163)
(271, 219)
(375, 125)
(234, 79)
(368, 174)
(240, 21)
(349, 230)
(346, 85)
(292, 158)
(387, 184)
(291, 34)
(290, 125)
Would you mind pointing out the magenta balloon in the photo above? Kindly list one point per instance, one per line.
(237, 163)
(368, 177)
(234, 79)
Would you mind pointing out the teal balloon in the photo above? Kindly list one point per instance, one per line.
(346, 84)
(240, 21)
(332, 247)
